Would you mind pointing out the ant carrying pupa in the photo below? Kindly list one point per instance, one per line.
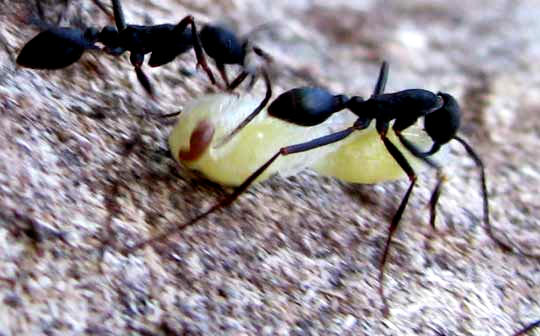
(58, 47)
(309, 108)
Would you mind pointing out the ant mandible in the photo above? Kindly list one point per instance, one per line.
(308, 106)
(59, 47)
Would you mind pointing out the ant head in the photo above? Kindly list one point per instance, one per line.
(423, 102)
(443, 123)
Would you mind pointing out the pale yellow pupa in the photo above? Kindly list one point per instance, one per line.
(360, 158)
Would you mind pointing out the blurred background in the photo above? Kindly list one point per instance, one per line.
(295, 256)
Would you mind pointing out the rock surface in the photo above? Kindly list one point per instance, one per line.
(295, 256)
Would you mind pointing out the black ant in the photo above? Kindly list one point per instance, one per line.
(308, 106)
(59, 47)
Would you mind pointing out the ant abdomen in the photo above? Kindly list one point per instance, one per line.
(312, 106)
(64, 46)
(222, 45)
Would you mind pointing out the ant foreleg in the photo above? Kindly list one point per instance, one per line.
(253, 114)
(303, 147)
(243, 75)
(417, 151)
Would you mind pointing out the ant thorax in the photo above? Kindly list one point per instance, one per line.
(362, 158)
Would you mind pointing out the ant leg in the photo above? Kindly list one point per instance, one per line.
(262, 54)
(417, 151)
(480, 165)
(253, 79)
(527, 328)
(63, 12)
(381, 80)
(145, 82)
(102, 7)
(441, 178)
(137, 61)
(119, 19)
(40, 11)
(411, 147)
(237, 81)
(253, 114)
(382, 128)
(40, 21)
(197, 45)
(503, 245)
(306, 146)
(223, 73)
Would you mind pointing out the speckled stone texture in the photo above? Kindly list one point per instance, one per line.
(295, 256)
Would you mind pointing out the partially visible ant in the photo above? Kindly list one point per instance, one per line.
(527, 328)
(308, 106)
(522, 332)
(59, 47)
(225, 47)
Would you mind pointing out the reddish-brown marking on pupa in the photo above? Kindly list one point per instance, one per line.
(198, 142)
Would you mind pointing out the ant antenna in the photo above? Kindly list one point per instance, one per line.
(503, 245)
(253, 114)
